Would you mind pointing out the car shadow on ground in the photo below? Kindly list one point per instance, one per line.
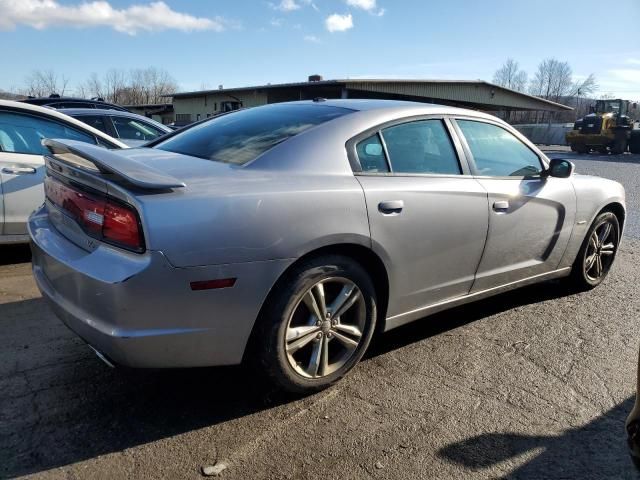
(60, 405)
(18, 253)
(595, 450)
(462, 315)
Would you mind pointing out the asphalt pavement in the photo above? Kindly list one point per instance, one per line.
(531, 384)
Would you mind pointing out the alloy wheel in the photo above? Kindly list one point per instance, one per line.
(600, 251)
(325, 328)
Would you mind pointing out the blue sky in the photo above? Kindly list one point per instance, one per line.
(250, 42)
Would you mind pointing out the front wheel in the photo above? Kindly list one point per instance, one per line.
(597, 252)
(318, 325)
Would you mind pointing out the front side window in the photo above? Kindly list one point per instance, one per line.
(20, 133)
(421, 147)
(132, 129)
(498, 153)
(242, 136)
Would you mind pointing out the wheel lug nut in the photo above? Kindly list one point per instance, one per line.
(319, 336)
(329, 335)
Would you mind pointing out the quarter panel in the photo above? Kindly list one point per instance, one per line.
(256, 217)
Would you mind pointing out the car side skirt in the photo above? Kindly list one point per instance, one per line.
(407, 317)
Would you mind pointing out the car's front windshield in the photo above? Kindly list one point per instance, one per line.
(242, 136)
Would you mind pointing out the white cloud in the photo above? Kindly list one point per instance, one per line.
(621, 82)
(363, 4)
(633, 61)
(312, 4)
(276, 22)
(285, 5)
(154, 16)
(311, 38)
(368, 5)
(339, 23)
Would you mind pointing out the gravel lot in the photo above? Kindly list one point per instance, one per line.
(531, 384)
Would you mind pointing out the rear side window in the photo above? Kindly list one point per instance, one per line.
(21, 133)
(371, 155)
(242, 136)
(421, 147)
(132, 129)
(95, 121)
(498, 153)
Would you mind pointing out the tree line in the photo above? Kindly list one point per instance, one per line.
(123, 87)
(553, 80)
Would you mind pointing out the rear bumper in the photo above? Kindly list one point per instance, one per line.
(139, 310)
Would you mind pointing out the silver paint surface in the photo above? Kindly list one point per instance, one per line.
(446, 247)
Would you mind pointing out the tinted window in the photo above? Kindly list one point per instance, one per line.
(497, 152)
(132, 129)
(95, 121)
(371, 155)
(24, 133)
(242, 136)
(421, 147)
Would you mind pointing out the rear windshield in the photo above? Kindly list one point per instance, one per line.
(242, 136)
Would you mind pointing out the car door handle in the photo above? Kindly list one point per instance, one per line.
(19, 170)
(391, 206)
(501, 206)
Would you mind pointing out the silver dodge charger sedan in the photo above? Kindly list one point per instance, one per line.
(288, 234)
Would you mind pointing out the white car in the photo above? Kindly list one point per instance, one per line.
(22, 170)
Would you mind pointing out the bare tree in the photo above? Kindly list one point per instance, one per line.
(135, 87)
(510, 76)
(41, 83)
(553, 80)
(149, 85)
(583, 89)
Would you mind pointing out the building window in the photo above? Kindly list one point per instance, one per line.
(215, 106)
(197, 117)
(208, 115)
(183, 118)
(230, 106)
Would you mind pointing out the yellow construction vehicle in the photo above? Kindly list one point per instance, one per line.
(608, 128)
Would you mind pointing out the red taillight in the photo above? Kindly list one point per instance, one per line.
(121, 225)
(99, 217)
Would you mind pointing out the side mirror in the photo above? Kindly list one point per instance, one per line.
(559, 168)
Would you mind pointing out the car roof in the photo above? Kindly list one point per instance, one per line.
(108, 111)
(397, 106)
(57, 114)
(43, 101)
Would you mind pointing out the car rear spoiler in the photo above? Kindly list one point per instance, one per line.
(112, 162)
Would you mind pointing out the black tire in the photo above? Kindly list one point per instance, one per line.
(581, 148)
(634, 144)
(288, 305)
(619, 146)
(584, 277)
(573, 147)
